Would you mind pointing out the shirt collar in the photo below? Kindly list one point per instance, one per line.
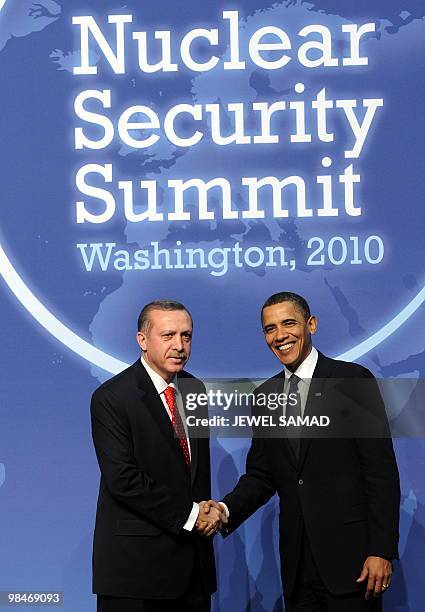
(306, 369)
(159, 383)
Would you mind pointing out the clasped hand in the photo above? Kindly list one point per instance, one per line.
(211, 518)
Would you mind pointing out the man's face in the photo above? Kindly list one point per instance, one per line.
(288, 333)
(166, 344)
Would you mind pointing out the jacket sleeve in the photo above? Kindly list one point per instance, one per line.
(125, 481)
(380, 477)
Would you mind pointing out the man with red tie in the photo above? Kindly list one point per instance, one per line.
(148, 554)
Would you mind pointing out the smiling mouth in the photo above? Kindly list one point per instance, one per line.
(285, 348)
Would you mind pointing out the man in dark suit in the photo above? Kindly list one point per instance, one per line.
(339, 493)
(148, 554)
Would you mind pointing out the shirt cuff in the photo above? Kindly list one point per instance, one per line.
(190, 523)
(226, 509)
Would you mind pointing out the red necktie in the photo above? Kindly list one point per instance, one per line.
(170, 397)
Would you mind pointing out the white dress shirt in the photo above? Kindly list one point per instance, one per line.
(160, 385)
(305, 373)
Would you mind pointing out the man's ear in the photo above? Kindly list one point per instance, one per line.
(141, 340)
(312, 324)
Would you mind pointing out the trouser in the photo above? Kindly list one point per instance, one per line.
(194, 599)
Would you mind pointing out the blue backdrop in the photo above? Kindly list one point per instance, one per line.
(345, 230)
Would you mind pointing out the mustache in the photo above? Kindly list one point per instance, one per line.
(178, 354)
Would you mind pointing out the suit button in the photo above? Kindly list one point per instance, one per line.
(301, 481)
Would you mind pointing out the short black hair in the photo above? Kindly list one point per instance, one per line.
(287, 296)
(144, 323)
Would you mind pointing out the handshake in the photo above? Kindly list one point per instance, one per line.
(211, 518)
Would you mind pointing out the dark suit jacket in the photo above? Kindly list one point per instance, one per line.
(344, 491)
(146, 492)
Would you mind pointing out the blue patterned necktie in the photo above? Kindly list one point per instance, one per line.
(293, 409)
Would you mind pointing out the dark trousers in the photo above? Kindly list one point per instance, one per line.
(194, 599)
(311, 595)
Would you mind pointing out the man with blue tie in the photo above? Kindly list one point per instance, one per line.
(339, 494)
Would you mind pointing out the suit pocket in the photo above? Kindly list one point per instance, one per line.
(136, 527)
(355, 513)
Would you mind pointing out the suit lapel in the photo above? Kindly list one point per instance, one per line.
(314, 404)
(153, 404)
